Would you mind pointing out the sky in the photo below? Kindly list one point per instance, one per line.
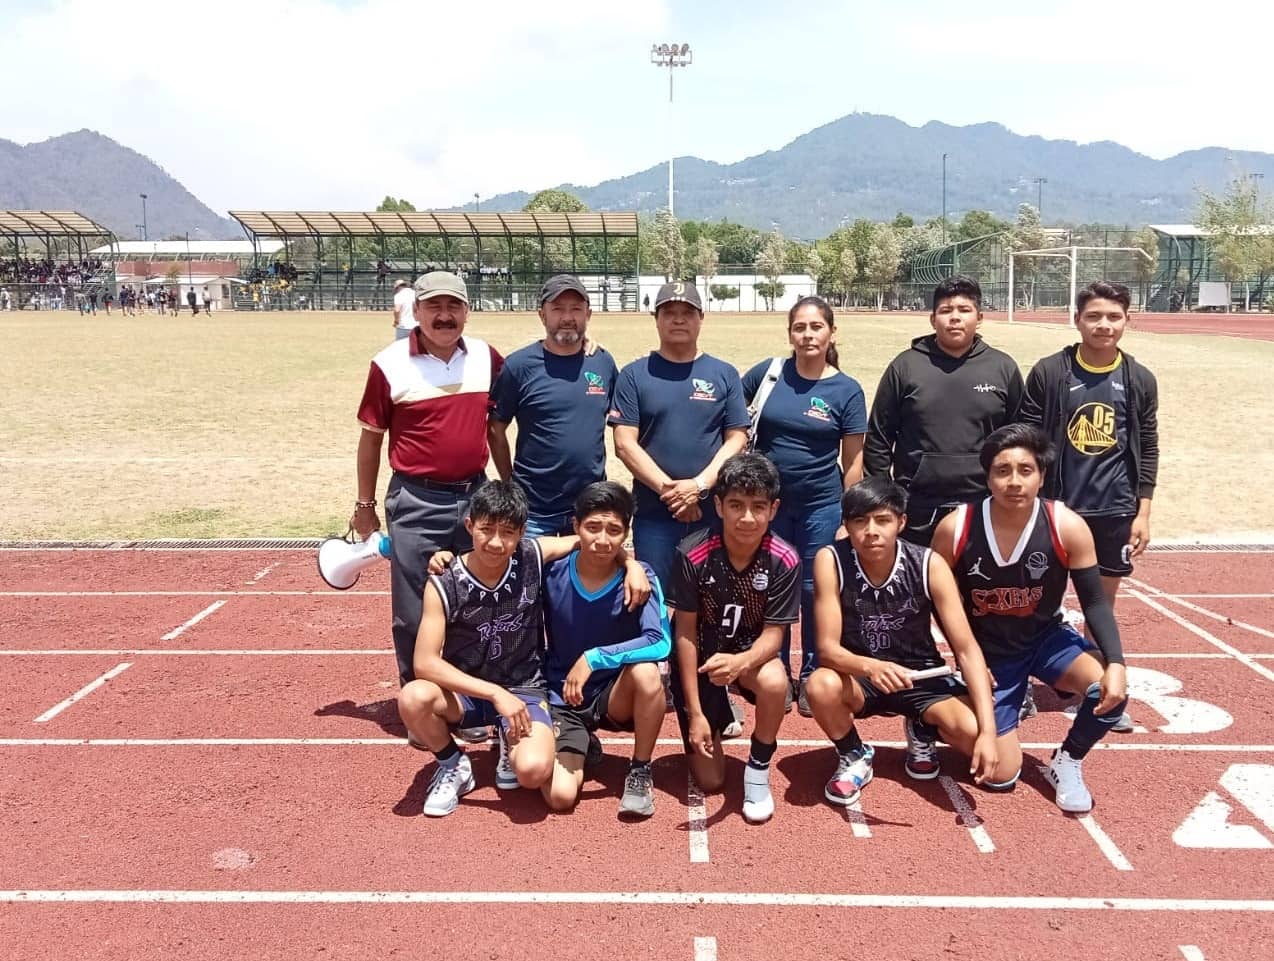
(333, 104)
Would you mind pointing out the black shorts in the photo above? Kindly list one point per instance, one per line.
(715, 702)
(573, 725)
(912, 702)
(1110, 535)
(923, 521)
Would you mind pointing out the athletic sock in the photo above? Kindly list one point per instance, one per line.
(1090, 727)
(448, 754)
(759, 758)
(926, 732)
(636, 765)
(848, 744)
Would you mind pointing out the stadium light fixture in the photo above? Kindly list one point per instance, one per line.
(145, 232)
(671, 55)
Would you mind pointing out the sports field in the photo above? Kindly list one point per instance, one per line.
(243, 424)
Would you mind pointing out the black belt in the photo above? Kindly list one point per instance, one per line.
(454, 487)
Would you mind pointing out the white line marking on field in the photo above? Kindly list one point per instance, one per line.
(1193, 656)
(705, 949)
(179, 630)
(83, 692)
(194, 593)
(968, 817)
(639, 898)
(1243, 625)
(1212, 639)
(1191, 953)
(857, 820)
(264, 571)
(1220, 597)
(696, 822)
(617, 741)
(197, 652)
(1103, 841)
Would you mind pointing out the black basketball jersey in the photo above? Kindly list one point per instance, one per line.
(494, 633)
(889, 621)
(1094, 458)
(1010, 600)
(735, 606)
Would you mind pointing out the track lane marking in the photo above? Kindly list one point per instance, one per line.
(705, 949)
(1105, 844)
(696, 819)
(1214, 615)
(82, 693)
(1212, 639)
(858, 825)
(1191, 952)
(200, 652)
(176, 632)
(968, 817)
(674, 898)
(263, 572)
(226, 594)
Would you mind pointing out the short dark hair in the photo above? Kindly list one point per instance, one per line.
(871, 494)
(499, 501)
(1026, 436)
(956, 286)
(603, 497)
(828, 315)
(1106, 290)
(748, 473)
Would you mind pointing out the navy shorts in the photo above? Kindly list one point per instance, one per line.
(481, 713)
(1053, 652)
(913, 702)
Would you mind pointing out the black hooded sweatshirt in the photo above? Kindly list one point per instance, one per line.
(931, 414)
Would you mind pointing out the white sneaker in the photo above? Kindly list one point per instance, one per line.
(735, 727)
(506, 779)
(758, 802)
(451, 782)
(1067, 776)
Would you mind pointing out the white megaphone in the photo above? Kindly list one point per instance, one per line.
(341, 561)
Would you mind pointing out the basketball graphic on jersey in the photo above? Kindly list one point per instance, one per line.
(1092, 428)
(1037, 565)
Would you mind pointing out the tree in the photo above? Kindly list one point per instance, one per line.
(883, 259)
(1240, 241)
(978, 223)
(903, 221)
(555, 202)
(667, 246)
(814, 264)
(770, 291)
(1147, 241)
(769, 264)
(844, 272)
(703, 259)
(722, 292)
(1027, 234)
(736, 244)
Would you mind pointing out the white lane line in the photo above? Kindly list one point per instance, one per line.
(197, 652)
(705, 949)
(1191, 952)
(1107, 846)
(616, 741)
(263, 572)
(1220, 597)
(1212, 639)
(1200, 656)
(180, 629)
(83, 692)
(968, 817)
(1242, 625)
(194, 593)
(630, 898)
(696, 821)
(857, 820)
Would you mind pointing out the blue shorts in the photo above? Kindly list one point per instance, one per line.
(1053, 653)
(480, 713)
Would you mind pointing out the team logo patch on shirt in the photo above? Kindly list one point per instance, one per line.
(818, 409)
(703, 390)
(1037, 565)
(1007, 601)
(760, 580)
(984, 388)
(1092, 429)
(594, 384)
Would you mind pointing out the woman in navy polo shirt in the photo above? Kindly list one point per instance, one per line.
(811, 426)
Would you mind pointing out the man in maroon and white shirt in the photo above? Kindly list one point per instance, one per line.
(431, 392)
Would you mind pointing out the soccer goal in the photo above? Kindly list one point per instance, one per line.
(1042, 280)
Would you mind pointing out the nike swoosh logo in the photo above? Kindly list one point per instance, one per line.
(1076, 387)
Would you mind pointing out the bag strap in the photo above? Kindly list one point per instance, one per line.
(763, 392)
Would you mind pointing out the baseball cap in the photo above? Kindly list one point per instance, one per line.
(680, 290)
(438, 283)
(399, 283)
(554, 287)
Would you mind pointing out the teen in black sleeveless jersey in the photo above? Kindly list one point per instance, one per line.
(1012, 555)
(479, 654)
(874, 595)
(734, 593)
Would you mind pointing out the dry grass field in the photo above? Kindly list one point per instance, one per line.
(243, 424)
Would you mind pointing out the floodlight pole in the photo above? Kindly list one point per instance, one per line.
(1039, 196)
(145, 232)
(944, 200)
(671, 55)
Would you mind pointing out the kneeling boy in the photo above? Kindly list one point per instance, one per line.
(603, 659)
(734, 592)
(874, 595)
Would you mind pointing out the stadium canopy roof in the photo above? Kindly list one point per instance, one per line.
(196, 248)
(1184, 231)
(50, 223)
(434, 223)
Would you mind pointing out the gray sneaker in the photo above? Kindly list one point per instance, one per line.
(450, 783)
(803, 703)
(639, 793)
(1125, 724)
(1028, 708)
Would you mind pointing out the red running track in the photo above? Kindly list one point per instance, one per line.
(246, 793)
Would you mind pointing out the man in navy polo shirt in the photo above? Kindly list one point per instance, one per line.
(678, 416)
(559, 397)
(431, 392)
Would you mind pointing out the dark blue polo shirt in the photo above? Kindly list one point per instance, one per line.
(801, 429)
(681, 412)
(560, 405)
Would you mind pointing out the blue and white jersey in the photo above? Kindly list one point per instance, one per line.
(599, 627)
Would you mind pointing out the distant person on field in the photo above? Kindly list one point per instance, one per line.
(936, 403)
(1100, 409)
(559, 395)
(402, 317)
(193, 300)
(6, 301)
(207, 301)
